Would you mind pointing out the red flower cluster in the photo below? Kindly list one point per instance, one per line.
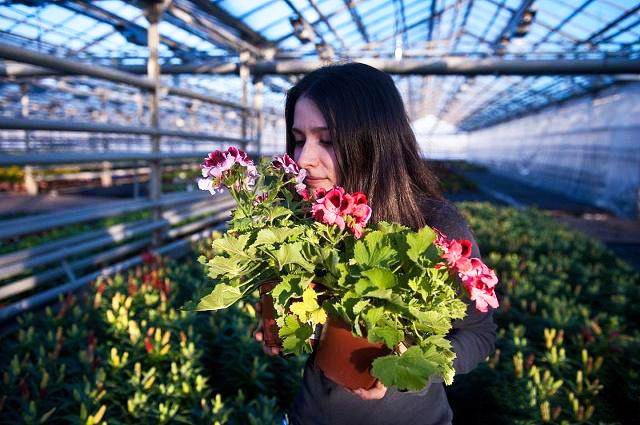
(342, 209)
(478, 279)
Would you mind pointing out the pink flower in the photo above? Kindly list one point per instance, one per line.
(260, 198)
(289, 166)
(478, 279)
(286, 163)
(361, 213)
(343, 209)
(327, 209)
(301, 188)
(216, 163)
(483, 298)
(319, 193)
(231, 168)
(240, 157)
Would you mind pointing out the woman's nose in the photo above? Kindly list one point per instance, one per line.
(308, 156)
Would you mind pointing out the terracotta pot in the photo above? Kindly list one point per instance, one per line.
(268, 314)
(346, 358)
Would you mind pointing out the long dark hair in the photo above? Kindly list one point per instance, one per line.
(376, 149)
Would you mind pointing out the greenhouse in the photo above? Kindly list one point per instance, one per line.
(197, 195)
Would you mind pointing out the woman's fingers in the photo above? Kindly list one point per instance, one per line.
(258, 335)
(375, 393)
(271, 351)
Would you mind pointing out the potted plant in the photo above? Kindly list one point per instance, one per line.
(384, 284)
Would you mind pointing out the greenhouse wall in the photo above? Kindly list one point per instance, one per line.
(587, 148)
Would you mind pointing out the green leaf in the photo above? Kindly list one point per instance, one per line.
(388, 334)
(275, 235)
(294, 334)
(287, 288)
(278, 212)
(431, 320)
(359, 306)
(309, 304)
(226, 267)
(362, 286)
(234, 245)
(409, 371)
(292, 254)
(439, 341)
(419, 242)
(373, 251)
(381, 278)
(373, 315)
(221, 297)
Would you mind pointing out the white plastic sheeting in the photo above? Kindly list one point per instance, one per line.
(587, 148)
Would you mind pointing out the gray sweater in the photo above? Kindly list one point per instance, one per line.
(320, 401)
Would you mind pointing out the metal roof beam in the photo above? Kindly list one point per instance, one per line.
(356, 19)
(301, 16)
(314, 4)
(432, 17)
(463, 25)
(246, 33)
(561, 24)
(513, 23)
(94, 12)
(70, 66)
(593, 38)
(188, 17)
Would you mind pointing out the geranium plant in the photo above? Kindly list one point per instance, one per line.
(392, 285)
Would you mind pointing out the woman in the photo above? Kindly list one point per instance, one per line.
(346, 125)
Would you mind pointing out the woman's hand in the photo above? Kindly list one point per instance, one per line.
(258, 335)
(375, 393)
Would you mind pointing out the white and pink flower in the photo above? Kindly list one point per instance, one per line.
(286, 163)
(231, 168)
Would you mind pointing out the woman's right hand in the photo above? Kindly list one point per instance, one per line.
(259, 336)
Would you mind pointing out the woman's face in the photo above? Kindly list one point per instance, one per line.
(314, 149)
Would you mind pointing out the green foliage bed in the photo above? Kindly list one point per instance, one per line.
(568, 327)
(121, 352)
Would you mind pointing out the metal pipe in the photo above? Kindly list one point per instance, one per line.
(446, 65)
(7, 123)
(80, 157)
(465, 66)
(22, 226)
(51, 294)
(65, 65)
(107, 237)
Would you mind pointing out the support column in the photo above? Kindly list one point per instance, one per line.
(30, 183)
(154, 14)
(244, 76)
(106, 179)
(24, 101)
(258, 102)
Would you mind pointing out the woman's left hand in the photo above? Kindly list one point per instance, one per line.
(375, 393)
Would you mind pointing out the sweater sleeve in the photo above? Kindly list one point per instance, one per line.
(473, 337)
